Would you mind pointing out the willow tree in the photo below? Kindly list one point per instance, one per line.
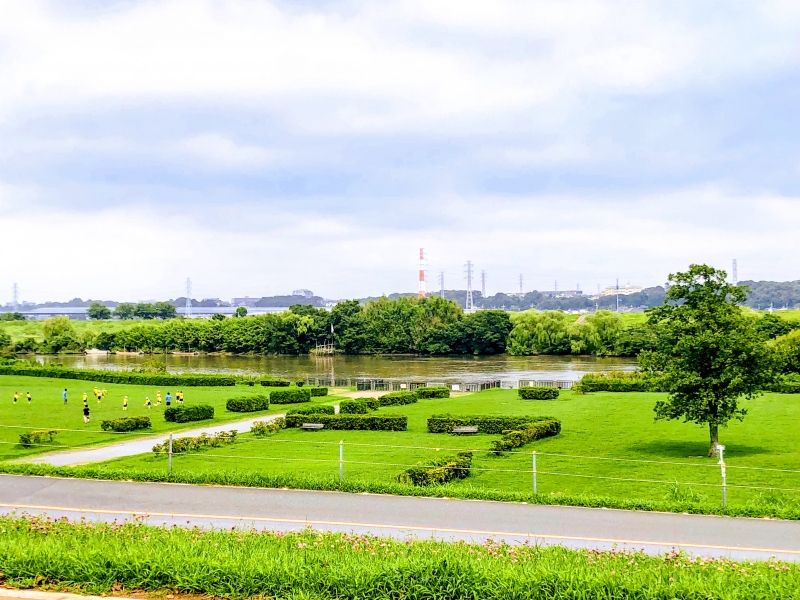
(708, 353)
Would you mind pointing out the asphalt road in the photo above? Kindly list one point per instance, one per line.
(399, 517)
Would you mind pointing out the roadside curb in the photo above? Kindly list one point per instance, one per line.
(13, 594)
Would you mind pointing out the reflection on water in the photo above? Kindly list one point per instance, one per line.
(504, 367)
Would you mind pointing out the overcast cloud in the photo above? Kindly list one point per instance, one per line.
(260, 147)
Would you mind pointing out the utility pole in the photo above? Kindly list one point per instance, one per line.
(483, 285)
(188, 312)
(441, 284)
(15, 297)
(735, 272)
(617, 294)
(470, 305)
(521, 285)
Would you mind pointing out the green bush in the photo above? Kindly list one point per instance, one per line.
(352, 422)
(185, 414)
(247, 403)
(530, 433)
(37, 437)
(353, 407)
(126, 424)
(293, 396)
(618, 381)
(432, 392)
(438, 472)
(193, 444)
(275, 383)
(125, 377)
(392, 399)
(267, 428)
(317, 392)
(313, 409)
(532, 393)
(486, 423)
(789, 384)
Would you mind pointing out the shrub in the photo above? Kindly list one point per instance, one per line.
(532, 432)
(532, 393)
(397, 398)
(438, 472)
(292, 396)
(486, 423)
(318, 391)
(618, 381)
(126, 424)
(185, 414)
(247, 403)
(193, 444)
(314, 409)
(353, 407)
(300, 383)
(126, 377)
(266, 428)
(789, 384)
(36, 437)
(432, 392)
(275, 382)
(351, 422)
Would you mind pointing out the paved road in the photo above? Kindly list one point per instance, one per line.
(399, 517)
(141, 445)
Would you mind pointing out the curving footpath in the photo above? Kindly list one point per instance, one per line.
(142, 445)
(399, 517)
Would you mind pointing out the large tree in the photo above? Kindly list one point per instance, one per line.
(98, 311)
(708, 352)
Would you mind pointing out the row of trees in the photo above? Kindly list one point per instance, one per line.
(128, 310)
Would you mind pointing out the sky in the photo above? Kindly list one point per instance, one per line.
(259, 147)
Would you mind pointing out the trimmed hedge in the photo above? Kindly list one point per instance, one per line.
(353, 407)
(318, 392)
(532, 393)
(352, 422)
(438, 472)
(126, 424)
(617, 381)
(521, 437)
(266, 428)
(293, 396)
(315, 409)
(486, 423)
(432, 392)
(36, 437)
(201, 442)
(186, 414)
(275, 382)
(129, 377)
(247, 403)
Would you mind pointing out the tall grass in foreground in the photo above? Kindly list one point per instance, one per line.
(241, 564)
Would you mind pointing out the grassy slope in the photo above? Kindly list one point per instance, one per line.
(241, 564)
(598, 425)
(47, 410)
(19, 330)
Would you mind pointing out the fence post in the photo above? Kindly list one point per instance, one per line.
(169, 456)
(533, 465)
(721, 463)
(341, 461)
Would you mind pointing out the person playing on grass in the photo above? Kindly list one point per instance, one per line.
(85, 397)
(147, 402)
(99, 395)
(158, 398)
(16, 397)
(104, 394)
(64, 396)
(29, 397)
(168, 399)
(179, 396)
(85, 412)
(125, 403)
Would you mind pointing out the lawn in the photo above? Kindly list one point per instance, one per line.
(19, 330)
(47, 410)
(607, 440)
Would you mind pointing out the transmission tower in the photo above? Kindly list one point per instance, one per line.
(188, 297)
(735, 272)
(15, 297)
(521, 285)
(617, 294)
(470, 305)
(421, 290)
(441, 284)
(483, 284)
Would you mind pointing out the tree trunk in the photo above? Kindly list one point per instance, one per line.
(713, 432)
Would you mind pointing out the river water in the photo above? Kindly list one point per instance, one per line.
(470, 368)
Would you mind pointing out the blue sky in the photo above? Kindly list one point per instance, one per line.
(260, 146)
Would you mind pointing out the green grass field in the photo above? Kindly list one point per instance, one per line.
(601, 433)
(19, 330)
(47, 410)
(134, 559)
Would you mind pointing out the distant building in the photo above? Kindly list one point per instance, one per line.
(562, 293)
(247, 301)
(622, 291)
(304, 293)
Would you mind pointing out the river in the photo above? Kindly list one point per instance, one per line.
(462, 368)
